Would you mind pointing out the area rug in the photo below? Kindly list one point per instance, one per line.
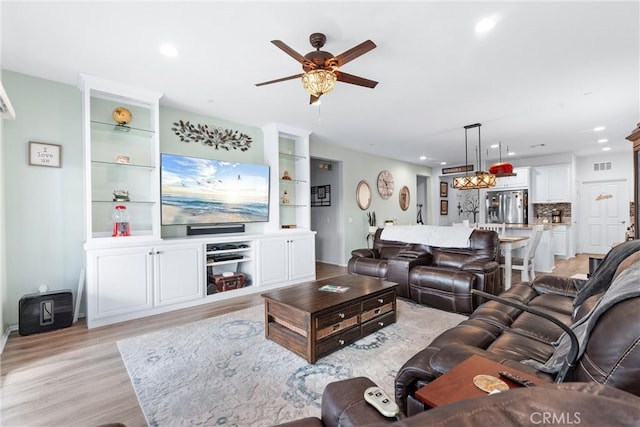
(223, 371)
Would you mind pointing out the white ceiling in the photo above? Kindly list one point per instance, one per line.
(548, 73)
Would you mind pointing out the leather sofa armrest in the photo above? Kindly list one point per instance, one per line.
(413, 254)
(565, 286)
(365, 253)
(450, 356)
(343, 404)
(480, 266)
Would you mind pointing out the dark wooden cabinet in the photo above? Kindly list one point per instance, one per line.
(635, 139)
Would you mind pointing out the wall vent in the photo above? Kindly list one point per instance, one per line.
(604, 166)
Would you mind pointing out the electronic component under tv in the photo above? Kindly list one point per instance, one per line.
(207, 191)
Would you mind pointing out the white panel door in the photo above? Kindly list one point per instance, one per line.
(605, 214)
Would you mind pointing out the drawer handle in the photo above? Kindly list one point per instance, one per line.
(380, 300)
(381, 323)
(341, 315)
(341, 342)
(377, 311)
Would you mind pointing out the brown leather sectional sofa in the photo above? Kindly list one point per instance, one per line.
(439, 277)
(602, 386)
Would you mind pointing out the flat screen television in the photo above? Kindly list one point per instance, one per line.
(197, 191)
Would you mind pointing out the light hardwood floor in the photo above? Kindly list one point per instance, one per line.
(75, 376)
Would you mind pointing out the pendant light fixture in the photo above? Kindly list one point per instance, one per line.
(501, 168)
(480, 179)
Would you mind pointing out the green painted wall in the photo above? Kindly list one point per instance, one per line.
(44, 211)
(357, 166)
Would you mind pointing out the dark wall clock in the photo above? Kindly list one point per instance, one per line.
(385, 184)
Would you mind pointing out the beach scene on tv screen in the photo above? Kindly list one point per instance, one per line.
(205, 191)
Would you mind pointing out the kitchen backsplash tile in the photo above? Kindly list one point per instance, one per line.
(542, 211)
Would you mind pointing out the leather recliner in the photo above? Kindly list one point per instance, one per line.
(508, 335)
(579, 403)
(440, 277)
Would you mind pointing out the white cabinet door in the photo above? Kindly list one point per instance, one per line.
(560, 241)
(119, 281)
(287, 259)
(274, 260)
(178, 274)
(302, 255)
(519, 181)
(551, 184)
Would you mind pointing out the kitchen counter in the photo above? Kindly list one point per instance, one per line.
(547, 226)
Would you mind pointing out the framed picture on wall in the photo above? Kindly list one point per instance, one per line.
(43, 154)
(444, 189)
(444, 207)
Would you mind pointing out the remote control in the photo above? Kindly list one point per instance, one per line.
(381, 401)
(516, 379)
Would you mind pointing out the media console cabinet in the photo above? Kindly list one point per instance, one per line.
(143, 278)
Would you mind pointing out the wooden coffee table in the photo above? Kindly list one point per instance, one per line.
(313, 323)
(457, 384)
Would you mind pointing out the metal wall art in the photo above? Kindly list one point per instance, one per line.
(216, 137)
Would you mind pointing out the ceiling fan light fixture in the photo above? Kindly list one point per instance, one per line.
(319, 82)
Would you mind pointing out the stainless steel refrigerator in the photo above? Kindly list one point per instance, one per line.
(509, 206)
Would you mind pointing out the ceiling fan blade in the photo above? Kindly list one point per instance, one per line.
(313, 99)
(286, 49)
(354, 52)
(280, 80)
(354, 80)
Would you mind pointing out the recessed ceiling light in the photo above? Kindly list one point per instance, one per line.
(169, 50)
(606, 148)
(443, 163)
(494, 145)
(602, 141)
(423, 157)
(487, 24)
(599, 128)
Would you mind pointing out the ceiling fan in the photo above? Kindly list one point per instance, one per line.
(321, 69)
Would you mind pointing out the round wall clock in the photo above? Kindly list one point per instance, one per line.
(385, 184)
(363, 195)
(405, 197)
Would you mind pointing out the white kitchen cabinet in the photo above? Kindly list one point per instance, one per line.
(287, 259)
(520, 181)
(551, 184)
(563, 241)
(178, 273)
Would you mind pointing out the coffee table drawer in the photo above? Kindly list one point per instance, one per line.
(378, 323)
(379, 301)
(337, 341)
(337, 316)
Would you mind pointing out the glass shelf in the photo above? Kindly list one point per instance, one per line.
(127, 165)
(292, 156)
(121, 129)
(296, 181)
(139, 202)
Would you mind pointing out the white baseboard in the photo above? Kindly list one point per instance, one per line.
(5, 336)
